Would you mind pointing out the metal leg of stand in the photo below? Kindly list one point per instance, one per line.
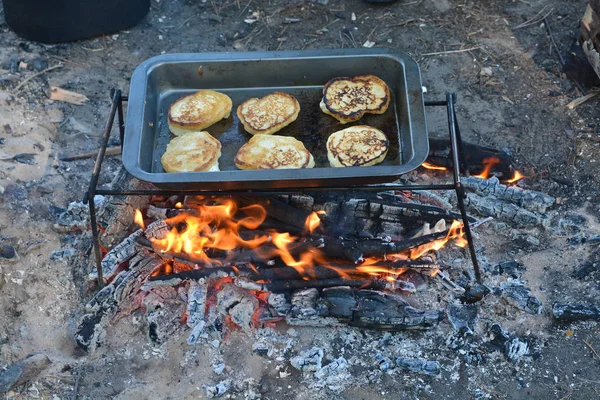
(96, 242)
(121, 120)
(460, 193)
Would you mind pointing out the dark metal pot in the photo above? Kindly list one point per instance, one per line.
(54, 21)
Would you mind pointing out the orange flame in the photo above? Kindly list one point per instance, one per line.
(488, 163)
(516, 177)
(212, 227)
(178, 205)
(454, 233)
(434, 167)
(313, 221)
(138, 219)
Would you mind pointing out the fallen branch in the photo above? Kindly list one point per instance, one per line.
(437, 53)
(110, 151)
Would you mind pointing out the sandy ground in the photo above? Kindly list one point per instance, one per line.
(520, 106)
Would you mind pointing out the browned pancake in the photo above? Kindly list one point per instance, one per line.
(357, 146)
(268, 114)
(348, 99)
(273, 152)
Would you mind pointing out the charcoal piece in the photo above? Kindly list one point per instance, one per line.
(575, 312)
(383, 363)
(590, 267)
(474, 358)
(219, 389)
(163, 321)
(77, 215)
(462, 317)
(521, 297)
(239, 304)
(279, 303)
(419, 366)
(198, 332)
(500, 337)
(528, 199)
(475, 294)
(23, 371)
(515, 348)
(122, 252)
(511, 267)
(335, 367)
(309, 360)
(377, 310)
(25, 158)
(263, 349)
(196, 303)
(341, 302)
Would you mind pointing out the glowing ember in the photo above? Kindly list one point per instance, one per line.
(178, 205)
(313, 221)
(434, 167)
(138, 219)
(488, 163)
(516, 177)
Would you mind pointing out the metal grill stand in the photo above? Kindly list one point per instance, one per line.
(458, 159)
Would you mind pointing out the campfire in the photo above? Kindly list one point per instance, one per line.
(271, 259)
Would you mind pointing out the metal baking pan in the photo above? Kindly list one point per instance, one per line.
(160, 81)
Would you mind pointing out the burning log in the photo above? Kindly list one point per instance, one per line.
(440, 154)
(360, 308)
(279, 210)
(528, 199)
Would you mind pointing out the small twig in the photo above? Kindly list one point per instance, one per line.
(76, 390)
(20, 85)
(535, 19)
(551, 36)
(399, 24)
(66, 60)
(110, 151)
(579, 101)
(588, 344)
(450, 51)
(244, 9)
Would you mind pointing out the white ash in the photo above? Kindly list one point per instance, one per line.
(77, 216)
(309, 360)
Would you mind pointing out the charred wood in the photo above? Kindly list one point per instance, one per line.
(575, 312)
(279, 210)
(119, 254)
(490, 206)
(521, 297)
(440, 153)
(290, 286)
(529, 199)
(361, 308)
(22, 371)
(419, 366)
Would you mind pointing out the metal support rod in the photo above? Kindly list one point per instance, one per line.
(100, 157)
(460, 192)
(121, 120)
(96, 242)
(275, 192)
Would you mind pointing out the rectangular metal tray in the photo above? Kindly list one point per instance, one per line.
(160, 81)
